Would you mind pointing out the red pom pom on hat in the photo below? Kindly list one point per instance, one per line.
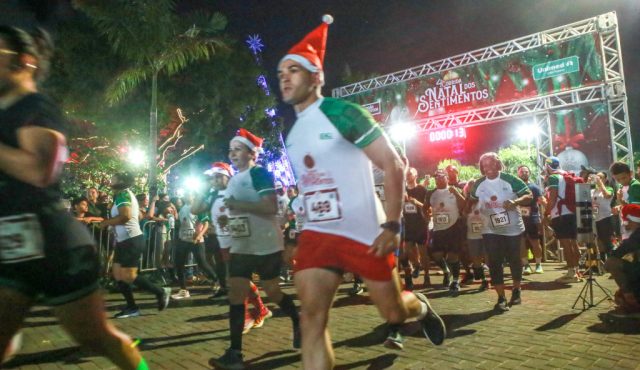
(247, 138)
(309, 52)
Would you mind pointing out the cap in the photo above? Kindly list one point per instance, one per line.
(309, 51)
(590, 170)
(553, 162)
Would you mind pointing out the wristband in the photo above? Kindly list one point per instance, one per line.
(393, 226)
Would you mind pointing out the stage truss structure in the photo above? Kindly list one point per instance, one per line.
(611, 91)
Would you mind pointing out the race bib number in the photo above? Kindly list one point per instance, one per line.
(380, 192)
(442, 219)
(186, 234)
(299, 223)
(476, 227)
(20, 239)
(525, 211)
(322, 205)
(500, 219)
(410, 208)
(239, 227)
(595, 210)
(292, 234)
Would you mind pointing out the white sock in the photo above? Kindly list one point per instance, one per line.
(424, 310)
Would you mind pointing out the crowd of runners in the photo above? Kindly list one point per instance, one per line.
(332, 222)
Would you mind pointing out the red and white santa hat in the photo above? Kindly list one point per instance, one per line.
(631, 212)
(247, 138)
(221, 168)
(309, 52)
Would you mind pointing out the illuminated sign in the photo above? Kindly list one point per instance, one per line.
(447, 134)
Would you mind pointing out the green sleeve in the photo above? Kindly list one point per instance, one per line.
(518, 186)
(553, 181)
(123, 198)
(474, 192)
(352, 121)
(634, 193)
(203, 217)
(263, 180)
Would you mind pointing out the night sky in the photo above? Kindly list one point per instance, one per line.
(380, 36)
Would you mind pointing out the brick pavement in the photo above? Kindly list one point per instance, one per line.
(542, 333)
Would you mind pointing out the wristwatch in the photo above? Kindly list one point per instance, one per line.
(393, 226)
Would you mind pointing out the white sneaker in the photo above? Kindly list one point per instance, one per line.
(526, 270)
(182, 293)
(539, 269)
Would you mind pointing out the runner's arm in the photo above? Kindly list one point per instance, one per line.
(124, 215)
(39, 157)
(551, 202)
(267, 205)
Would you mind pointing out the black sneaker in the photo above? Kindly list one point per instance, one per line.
(416, 273)
(394, 340)
(408, 283)
(433, 327)
(515, 297)
(163, 299)
(357, 289)
(454, 289)
(484, 285)
(501, 306)
(446, 280)
(297, 337)
(127, 312)
(232, 359)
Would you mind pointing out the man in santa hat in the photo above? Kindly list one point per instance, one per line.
(256, 242)
(624, 265)
(332, 147)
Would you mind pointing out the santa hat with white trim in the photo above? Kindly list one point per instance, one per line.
(309, 52)
(221, 168)
(631, 212)
(247, 138)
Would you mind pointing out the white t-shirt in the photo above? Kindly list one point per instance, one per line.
(220, 213)
(491, 195)
(476, 223)
(444, 209)
(132, 227)
(334, 175)
(601, 206)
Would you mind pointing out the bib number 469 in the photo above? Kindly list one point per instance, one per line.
(322, 205)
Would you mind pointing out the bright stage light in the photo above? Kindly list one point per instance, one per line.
(136, 157)
(402, 131)
(527, 132)
(193, 184)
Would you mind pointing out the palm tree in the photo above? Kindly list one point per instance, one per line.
(154, 40)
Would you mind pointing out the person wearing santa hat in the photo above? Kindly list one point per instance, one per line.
(256, 242)
(332, 147)
(624, 265)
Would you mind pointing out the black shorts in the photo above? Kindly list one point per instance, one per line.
(211, 244)
(531, 227)
(67, 272)
(565, 227)
(446, 241)
(415, 233)
(128, 252)
(604, 228)
(244, 265)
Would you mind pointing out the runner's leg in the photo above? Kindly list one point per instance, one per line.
(14, 307)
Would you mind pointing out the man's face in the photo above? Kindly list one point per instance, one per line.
(412, 174)
(297, 84)
(240, 155)
(291, 192)
(441, 181)
(92, 194)
(623, 179)
(219, 181)
(524, 173)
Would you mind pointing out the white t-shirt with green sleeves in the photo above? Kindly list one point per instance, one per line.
(491, 195)
(132, 227)
(252, 233)
(334, 175)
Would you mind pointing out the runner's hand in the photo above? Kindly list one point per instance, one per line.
(230, 202)
(385, 243)
(509, 204)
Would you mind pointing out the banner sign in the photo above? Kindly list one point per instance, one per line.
(543, 70)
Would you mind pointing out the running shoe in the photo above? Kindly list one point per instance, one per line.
(501, 306)
(394, 340)
(259, 321)
(454, 288)
(248, 323)
(232, 360)
(539, 269)
(163, 299)
(356, 290)
(416, 273)
(526, 270)
(515, 297)
(433, 327)
(127, 312)
(622, 313)
(182, 293)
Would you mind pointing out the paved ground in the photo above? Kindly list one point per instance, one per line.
(545, 332)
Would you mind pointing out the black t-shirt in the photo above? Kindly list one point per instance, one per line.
(31, 110)
(414, 215)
